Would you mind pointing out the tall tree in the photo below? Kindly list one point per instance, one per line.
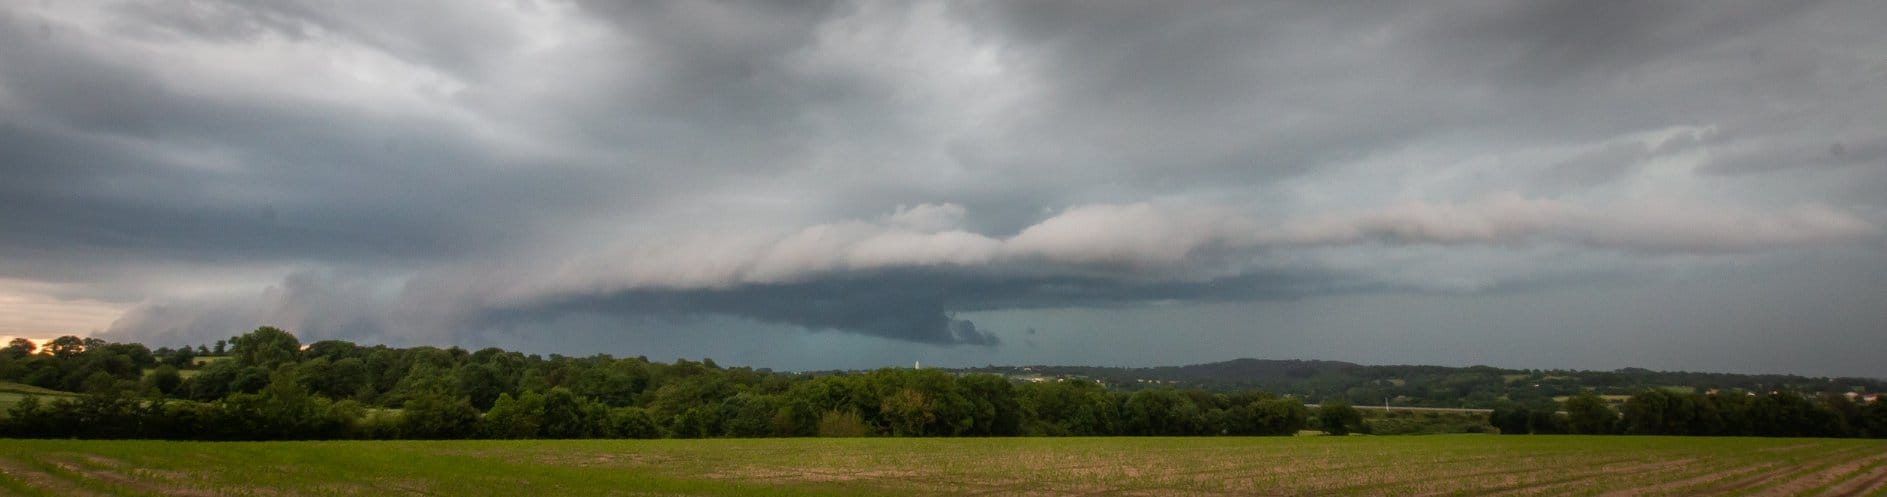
(1510, 418)
(266, 347)
(907, 412)
(1587, 414)
(1339, 417)
(165, 379)
(65, 346)
(522, 417)
(20, 348)
(1278, 416)
(438, 415)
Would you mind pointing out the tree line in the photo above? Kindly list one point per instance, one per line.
(267, 386)
(1777, 413)
(1481, 387)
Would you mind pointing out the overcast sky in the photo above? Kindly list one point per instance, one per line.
(814, 185)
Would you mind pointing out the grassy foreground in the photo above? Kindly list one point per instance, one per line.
(1426, 465)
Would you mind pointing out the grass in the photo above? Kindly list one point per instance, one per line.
(25, 389)
(11, 393)
(1433, 465)
(181, 373)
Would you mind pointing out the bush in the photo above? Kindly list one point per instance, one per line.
(632, 422)
(1428, 424)
(438, 416)
(1339, 418)
(837, 423)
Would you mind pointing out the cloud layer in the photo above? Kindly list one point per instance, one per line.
(903, 275)
(432, 172)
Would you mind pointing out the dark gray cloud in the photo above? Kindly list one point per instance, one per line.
(434, 172)
(918, 306)
(1571, 44)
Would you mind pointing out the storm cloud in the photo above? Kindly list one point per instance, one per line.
(946, 175)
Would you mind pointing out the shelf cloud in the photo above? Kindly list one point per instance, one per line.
(827, 183)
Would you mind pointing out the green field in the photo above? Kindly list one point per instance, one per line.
(1422, 465)
(11, 393)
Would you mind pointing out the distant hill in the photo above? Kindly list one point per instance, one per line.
(1424, 386)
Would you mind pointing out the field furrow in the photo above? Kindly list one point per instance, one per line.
(1874, 478)
(1823, 473)
(36, 480)
(1145, 467)
(1738, 473)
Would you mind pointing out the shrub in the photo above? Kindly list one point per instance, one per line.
(837, 423)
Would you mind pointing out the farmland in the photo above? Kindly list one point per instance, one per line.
(1305, 465)
(11, 393)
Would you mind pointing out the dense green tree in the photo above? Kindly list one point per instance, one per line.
(165, 379)
(423, 378)
(266, 347)
(1510, 418)
(272, 389)
(12, 367)
(1876, 418)
(1839, 417)
(1775, 415)
(25, 419)
(45, 371)
(923, 402)
(340, 379)
(1547, 422)
(1338, 417)
(632, 422)
(1153, 412)
(182, 358)
(65, 346)
(569, 416)
(386, 368)
(997, 411)
(750, 415)
(836, 423)
(210, 383)
(1659, 412)
(689, 406)
(907, 412)
(106, 416)
(1644, 413)
(333, 350)
(1068, 408)
(437, 415)
(1276, 417)
(482, 383)
(137, 354)
(435, 358)
(615, 382)
(83, 369)
(522, 417)
(1588, 414)
(283, 410)
(249, 379)
(19, 348)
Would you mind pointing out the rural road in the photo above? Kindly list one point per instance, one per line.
(1414, 409)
